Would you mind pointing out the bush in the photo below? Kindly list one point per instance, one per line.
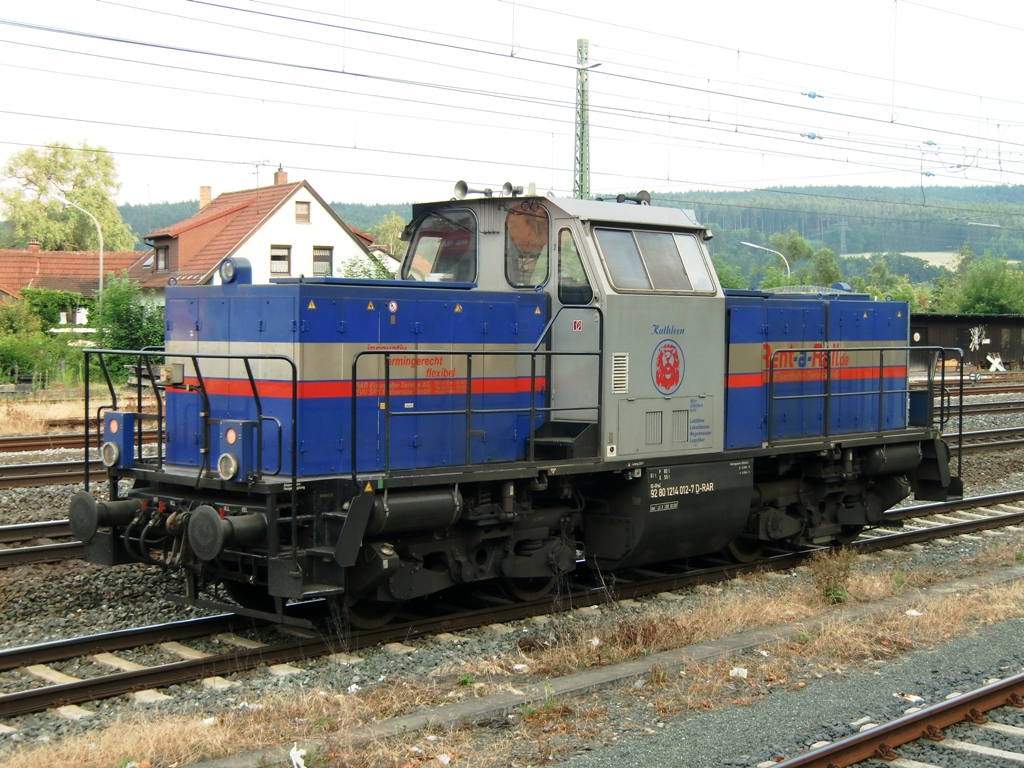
(34, 354)
(18, 319)
(127, 320)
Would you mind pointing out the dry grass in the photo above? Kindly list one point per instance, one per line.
(41, 413)
(171, 741)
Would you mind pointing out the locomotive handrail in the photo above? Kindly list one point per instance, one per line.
(149, 352)
(825, 364)
(468, 411)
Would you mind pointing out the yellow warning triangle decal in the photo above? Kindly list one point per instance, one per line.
(458, 307)
(899, 314)
(865, 315)
(368, 487)
(311, 305)
(536, 311)
(370, 305)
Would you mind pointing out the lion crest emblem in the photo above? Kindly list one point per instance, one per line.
(667, 367)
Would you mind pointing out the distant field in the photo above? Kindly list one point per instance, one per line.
(935, 258)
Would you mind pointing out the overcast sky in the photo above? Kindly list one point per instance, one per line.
(394, 101)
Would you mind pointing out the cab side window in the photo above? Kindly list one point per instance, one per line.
(573, 285)
(526, 245)
(443, 249)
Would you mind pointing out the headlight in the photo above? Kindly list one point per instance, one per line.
(227, 466)
(112, 426)
(227, 270)
(110, 453)
(231, 436)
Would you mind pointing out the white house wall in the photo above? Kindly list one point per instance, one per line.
(282, 229)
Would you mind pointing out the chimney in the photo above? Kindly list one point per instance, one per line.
(204, 197)
(33, 245)
(280, 176)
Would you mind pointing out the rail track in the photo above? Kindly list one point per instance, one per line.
(925, 725)
(423, 618)
(988, 439)
(35, 475)
(46, 552)
(69, 440)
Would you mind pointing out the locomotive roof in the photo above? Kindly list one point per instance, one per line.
(592, 210)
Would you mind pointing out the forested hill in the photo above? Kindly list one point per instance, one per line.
(875, 219)
(144, 219)
(844, 219)
(363, 216)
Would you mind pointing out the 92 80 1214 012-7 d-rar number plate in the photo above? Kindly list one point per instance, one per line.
(666, 486)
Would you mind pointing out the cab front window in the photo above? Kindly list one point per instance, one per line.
(443, 248)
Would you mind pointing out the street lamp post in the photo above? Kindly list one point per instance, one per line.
(99, 234)
(770, 250)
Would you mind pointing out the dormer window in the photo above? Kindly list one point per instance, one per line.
(301, 212)
(161, 259)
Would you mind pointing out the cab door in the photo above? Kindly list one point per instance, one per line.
(574, 379)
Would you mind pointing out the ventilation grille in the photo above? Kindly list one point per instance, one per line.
(680, 426)
(620, 373)
(654, 428)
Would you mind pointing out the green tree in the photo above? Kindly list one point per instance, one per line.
(729, 277)
(792, 245)
(388, 232)
(367, 268)
(824, 268)
(18, 319)
(773, 277)
(128, 321)
(990, 285)
(85, 176)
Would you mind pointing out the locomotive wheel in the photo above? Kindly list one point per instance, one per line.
(527, 589)
(365, 613)
(745, 549)
(848, 535)
(252, 596)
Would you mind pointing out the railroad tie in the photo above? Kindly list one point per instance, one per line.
(51, 675)
(279, 670)
(148, 696)
(216, 683)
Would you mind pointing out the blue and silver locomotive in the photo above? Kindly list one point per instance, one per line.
(547, 385)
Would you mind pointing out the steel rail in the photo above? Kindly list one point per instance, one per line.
(940, 507)
(28, 531)
(41, 553)
(989, 439)
(71, 441)
(881, 739)
(60, 650)
(34, 475)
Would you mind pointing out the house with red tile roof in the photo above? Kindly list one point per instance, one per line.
(284, 230)
(77, 271)
(8, 294)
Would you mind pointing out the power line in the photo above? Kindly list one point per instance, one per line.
(733, 49)
(602, 73)
(670, 119)
(457, 89)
